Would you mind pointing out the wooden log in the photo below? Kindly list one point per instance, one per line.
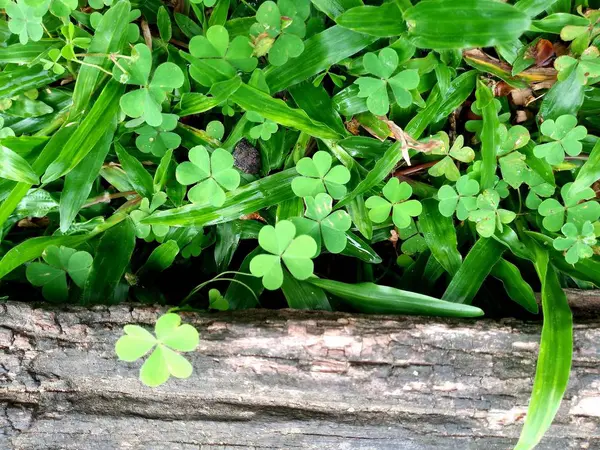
(285, 380)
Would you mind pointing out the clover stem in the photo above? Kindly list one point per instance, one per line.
(102, 69)
(218, 278)
(577, 158)
(248, 5)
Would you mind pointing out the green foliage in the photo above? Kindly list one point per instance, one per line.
(375, 90)
(427, 145)
(318, 176)
(214, 174)
(51, 275)
(396, 201)
(170, 338)
(282, 245)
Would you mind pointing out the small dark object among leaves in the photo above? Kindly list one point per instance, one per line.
(247, 157)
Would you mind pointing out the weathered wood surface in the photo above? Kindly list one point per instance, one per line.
(286, 380)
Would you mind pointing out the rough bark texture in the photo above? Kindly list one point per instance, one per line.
(286, 380)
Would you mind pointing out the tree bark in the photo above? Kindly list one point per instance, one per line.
(285, 380)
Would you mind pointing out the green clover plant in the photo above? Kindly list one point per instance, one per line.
(565, 136)
(214, 174)
(488, 217)
(51, 275)
(446, 166)
(99, 4)
(63, 8)
(164, 361)
(282, 245)
(72, 40)
(577, 243)
(54, 55)
(413, 241)
(396, 201)
(5, 131)
(280, 29)
(26, 21)
(145, 103)
(159, 140)
(318, 177)
(265, 128)
(460, 199)
(588, 66)
(149, 232)
(579, 208)
(216, 301)
(216, 50)
(323, 225)
(375, 90)
(513, 167)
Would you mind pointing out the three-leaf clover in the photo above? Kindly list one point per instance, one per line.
(396, 201)
(51, 275)
(282, 245)
(413, 241)
(566, 137)
(323, 225)
(577, 208)
(318, 176)
(586, 67)
(375, 90)
(26, 21)
(460, 199)
(72, 41)
(578, 241)
(489, 217)
(52, 63)
(279, 29)
(164, 361)
(149, 232)
(512, 163)
(158, 140)
(446, 166)
(213, 173)
(146, 103)
(265, 128)
(99, 4)
(217, 301)
(225, 56)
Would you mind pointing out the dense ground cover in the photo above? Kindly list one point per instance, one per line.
(434, 158)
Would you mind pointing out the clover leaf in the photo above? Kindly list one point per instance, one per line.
(158, 140)
(26, 21)
(146, 103)
(72, 41)
(413, 241)
(99, 4)
(164, 361)
(52, 63)
(566, 137)
(460, 199)
(224, 55)
(264, 130)
(63, 8)
(375, 90)
(213, 173)
(578, 210)
(282, 244)
(537, 188)
(149, 232)
(5, 132)
(446, 166)
(488, 216)
(588, 66)
(279, 30)
(318, 177)
(577, 243)
(217, 301)
(323, 225)
(396, 201)
(51, 275)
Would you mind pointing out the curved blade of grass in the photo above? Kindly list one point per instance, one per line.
(474, 270)
(534, 7)
(161, 258)
(14, 167)
(78, 183)
(90, 130)
(556, 352)
(490, 138)
(138, 176)
(375, 299)
(263, 193)
(440, 236)
(196, 103)
(516, 287)
(21, 79)
(334, 8)
(320, 52)
(110, 262)
(237, 294)
(303, 295)
(318, 105)
(23, 54)
(109, 37)
(381, 21)
(589, 172)
(358, 248)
